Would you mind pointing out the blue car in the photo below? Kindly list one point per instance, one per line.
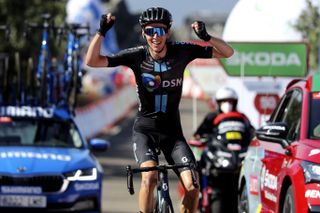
(46, 164)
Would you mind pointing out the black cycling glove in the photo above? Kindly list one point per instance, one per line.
(105, 25)
(202, 32)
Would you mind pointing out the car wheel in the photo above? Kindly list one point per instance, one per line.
(243, 204)
(288, 204)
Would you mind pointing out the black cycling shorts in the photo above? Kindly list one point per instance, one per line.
(150, 136)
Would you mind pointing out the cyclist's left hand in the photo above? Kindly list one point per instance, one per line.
(199, 28)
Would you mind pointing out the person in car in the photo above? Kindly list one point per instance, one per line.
(158, 67)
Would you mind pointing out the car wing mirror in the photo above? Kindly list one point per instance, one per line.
(99, 144)
(274, 132)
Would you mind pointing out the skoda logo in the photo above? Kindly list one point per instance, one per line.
(21, 169)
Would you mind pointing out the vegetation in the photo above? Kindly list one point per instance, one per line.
(308, 24)
(15, 13)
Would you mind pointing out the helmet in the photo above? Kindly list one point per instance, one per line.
(226, 93)
(155, 15)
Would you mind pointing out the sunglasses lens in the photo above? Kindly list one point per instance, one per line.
(160, 31)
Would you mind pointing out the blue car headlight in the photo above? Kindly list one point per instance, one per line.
(311, 172)
(82, 175)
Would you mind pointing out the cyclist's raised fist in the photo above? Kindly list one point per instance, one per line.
(106, 22)
(200, 29)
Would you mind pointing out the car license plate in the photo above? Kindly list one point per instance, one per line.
(23, 201)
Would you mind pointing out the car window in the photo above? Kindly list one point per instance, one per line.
(275, 112)
(314, 127)
(39, 132)
(290, 113)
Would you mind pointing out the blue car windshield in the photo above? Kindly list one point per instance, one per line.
(38, 132)
(314, 127)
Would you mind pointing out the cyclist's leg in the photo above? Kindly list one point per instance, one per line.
(146, 156)
(148, 184)
(190, 199)
(180, 152)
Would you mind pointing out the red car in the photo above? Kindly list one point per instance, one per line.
(281, 171)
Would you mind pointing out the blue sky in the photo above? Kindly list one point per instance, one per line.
(182, 8)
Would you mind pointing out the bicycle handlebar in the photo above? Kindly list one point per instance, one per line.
(78, 30)
(130, 180)
(160, 168)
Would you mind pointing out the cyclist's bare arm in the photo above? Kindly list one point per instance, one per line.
(93, 57)
(220, 48)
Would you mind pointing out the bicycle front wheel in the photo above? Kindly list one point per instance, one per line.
(166, 207)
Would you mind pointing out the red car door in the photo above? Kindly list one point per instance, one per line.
(276, 158)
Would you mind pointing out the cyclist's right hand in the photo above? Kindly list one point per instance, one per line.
(199, 28)
(106, 22)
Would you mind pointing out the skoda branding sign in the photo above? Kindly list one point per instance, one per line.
(267, 59)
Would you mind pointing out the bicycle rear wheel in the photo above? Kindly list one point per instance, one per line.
(30, 82)
(19, 92)
(72, 82)
(4, 78)
(75, 79)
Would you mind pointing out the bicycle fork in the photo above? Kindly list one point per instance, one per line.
(163, 197)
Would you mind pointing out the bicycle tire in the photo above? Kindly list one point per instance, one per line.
(6, 80)
(166, 207)
(19, 95)
(3, 70)
(75, 76)
(163, 205)
(30, 81)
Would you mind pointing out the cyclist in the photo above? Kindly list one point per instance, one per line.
(227, 100)
(158, 67)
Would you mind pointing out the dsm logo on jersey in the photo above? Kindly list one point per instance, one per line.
(151, 82)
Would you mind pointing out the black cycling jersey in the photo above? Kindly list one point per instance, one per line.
(159, 87)
(159, 82)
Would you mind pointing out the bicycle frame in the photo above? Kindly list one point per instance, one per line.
(43, 69)
(44, 74)
(163, 200)
(73, 64)
(163, 196)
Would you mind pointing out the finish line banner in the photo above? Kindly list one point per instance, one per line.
(267, 59)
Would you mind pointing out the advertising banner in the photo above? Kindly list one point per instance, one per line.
(274, 59)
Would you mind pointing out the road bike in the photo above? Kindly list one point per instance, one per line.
(163, 200)
(44, 75)
(73, 72)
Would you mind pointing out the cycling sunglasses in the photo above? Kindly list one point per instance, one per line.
(160, 31)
